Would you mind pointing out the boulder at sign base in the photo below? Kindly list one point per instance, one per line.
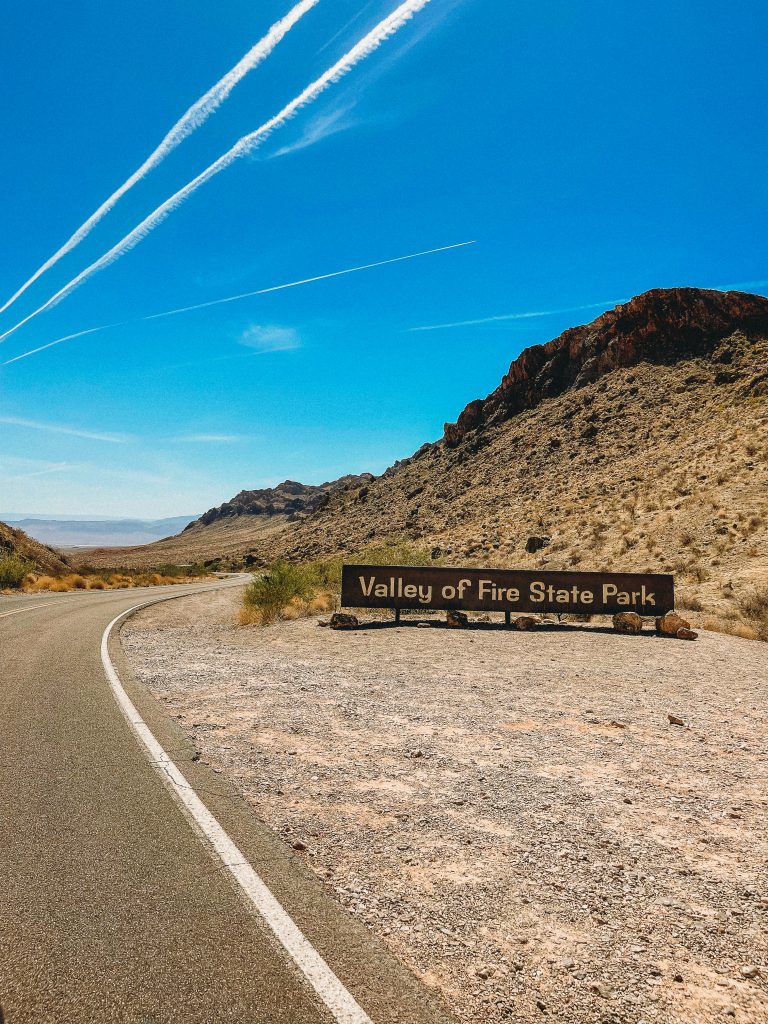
(627, 622)
(669, 624)
(525, 622)
(341, 620)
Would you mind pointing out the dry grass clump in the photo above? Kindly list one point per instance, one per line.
(732, 627)
(34, 584)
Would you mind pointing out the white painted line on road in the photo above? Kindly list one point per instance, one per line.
(19, 610)
(328, 987)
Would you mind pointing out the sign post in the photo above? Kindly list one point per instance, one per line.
(505, 590)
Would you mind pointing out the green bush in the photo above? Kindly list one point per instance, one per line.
(13, 570)
(273, 590)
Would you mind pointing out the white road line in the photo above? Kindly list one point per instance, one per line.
(328, 987)
(30, 608)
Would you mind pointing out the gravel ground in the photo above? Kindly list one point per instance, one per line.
(512, 812)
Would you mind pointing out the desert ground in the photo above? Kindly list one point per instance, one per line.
(513, 813)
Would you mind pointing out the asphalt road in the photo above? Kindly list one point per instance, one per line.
(113, 907)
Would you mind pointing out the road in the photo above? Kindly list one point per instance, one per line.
(114, 905)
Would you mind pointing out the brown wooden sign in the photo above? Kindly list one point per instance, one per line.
(505, 590)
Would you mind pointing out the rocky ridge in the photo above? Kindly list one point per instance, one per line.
(286, 499)
(663, 325)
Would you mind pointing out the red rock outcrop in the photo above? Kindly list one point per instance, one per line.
(660, 326)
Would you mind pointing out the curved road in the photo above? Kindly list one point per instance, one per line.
(113, 905)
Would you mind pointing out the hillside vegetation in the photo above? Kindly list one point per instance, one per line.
(15, 545)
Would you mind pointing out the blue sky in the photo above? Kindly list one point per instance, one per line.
(592, 150)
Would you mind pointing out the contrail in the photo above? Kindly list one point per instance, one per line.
(366, 46)
(243, 295)
(518, 316)
(197, 114)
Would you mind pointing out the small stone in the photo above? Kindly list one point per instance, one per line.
(678, 978)
(629, 623)
(627, 800)
(525, 622)
(341, 620)
(674, 720)
(299, 846)
(323, 622)
(541, 1005)
(456, 620)
(601, 990)
(752, 971)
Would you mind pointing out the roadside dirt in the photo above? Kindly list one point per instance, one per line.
(512, 812)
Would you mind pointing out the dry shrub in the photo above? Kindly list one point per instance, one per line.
(13, 570)
(97, 583)
(77, 582)
(249, 616)
(755, 604)
(689, 602)
(731, 627)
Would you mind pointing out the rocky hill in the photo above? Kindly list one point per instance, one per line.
(287, 499)
(233, 532)
(16, 542)
(638, 441)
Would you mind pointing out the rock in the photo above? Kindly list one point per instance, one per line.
(627, 622)
(686, 634)
(601, 990)
(669, 624)
(525, 622)
(674, 720)
(456, 620)
(342, 620)
(752, 971)
(659, 326)
(299, 846)
(323, 622)
(534, 544)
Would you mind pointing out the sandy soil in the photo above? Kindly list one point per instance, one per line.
(512, 812)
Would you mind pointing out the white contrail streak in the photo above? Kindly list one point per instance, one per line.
(307, 280)
(366, 46)
(197, 114)
(243, 295)
(518, 316)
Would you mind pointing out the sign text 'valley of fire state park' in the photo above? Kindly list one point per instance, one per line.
(505, 590)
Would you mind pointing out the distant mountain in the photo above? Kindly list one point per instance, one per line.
(73, 533)
(287, 499)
